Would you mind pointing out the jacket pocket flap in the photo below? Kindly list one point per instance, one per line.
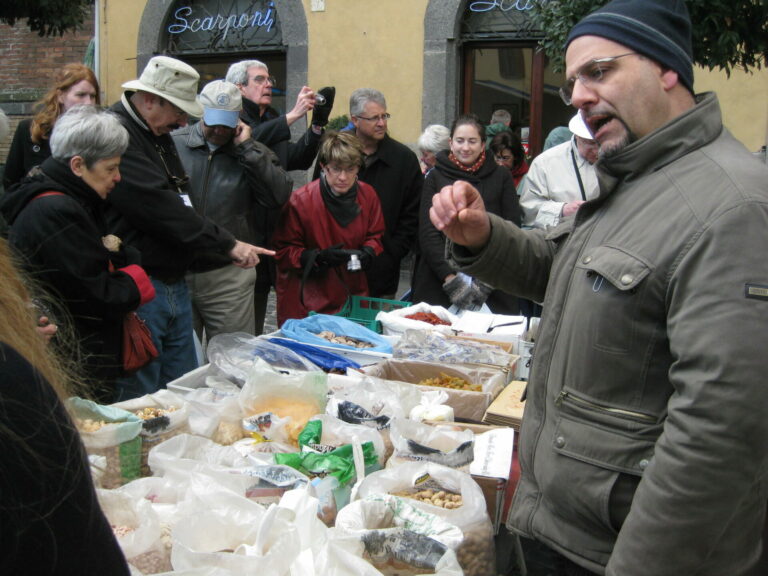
(622, 269)
(602, 447)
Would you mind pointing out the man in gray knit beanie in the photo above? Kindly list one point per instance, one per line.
(643, 445)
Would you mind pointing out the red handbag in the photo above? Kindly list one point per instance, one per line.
(138, 348)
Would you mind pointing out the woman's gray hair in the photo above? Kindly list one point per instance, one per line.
(435, 137)
(361, 97)
(90, 133)
(238, 72)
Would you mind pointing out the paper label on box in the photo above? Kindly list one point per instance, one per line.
(493, 453)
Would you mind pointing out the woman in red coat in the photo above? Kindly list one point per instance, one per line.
(327, 235)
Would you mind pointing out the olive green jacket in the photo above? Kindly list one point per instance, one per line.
(649, 372)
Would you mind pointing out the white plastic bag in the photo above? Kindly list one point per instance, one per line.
(137, 529)
(414, 481)
(415, 441)
(398, 536)
(294, 395)
(396, 323)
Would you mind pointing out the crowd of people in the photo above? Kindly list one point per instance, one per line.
(642, 446)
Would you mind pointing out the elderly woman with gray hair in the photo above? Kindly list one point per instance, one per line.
(58, 229)
(434, 139)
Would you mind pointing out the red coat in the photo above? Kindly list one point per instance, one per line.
(306, 224)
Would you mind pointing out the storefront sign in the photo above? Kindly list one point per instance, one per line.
(503, 5)
(207, 25)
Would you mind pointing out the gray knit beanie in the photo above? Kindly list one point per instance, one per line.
(658, 29)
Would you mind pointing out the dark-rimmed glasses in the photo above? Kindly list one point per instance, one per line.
(591, 73)
(376, 119)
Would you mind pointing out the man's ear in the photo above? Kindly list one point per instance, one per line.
(669, 79)
(77, 164)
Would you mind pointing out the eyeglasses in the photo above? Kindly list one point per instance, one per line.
(176, 110)
(505, 158)
(376, 119)
(592, 72)
(337, 170)
(259, 80)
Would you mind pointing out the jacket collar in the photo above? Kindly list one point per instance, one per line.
(691, 130)
(132, 112)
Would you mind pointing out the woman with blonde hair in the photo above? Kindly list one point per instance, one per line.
(50, 519)
(75, 85)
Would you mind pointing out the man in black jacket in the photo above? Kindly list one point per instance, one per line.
(270, 127)
(150, 208)
(233, 179)
(393, 170)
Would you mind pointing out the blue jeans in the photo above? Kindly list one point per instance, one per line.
(169, 318)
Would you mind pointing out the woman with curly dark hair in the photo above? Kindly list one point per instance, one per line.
(75, 85)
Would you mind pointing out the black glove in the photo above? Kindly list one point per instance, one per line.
(366, 257)
(332, 257)
(465, 292)
(322, 112)
(309, 258)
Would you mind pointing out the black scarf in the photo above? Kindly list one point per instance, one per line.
(343, 207)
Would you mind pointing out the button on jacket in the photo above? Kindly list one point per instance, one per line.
(649, 369)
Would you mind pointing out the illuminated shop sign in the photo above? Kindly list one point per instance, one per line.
(503, 5)
(222, 25)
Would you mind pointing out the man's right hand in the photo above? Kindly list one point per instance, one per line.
(458, 212)
(247, 255)
(304, 103)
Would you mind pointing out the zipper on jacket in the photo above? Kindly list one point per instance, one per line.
(620, 412)
(205, 183)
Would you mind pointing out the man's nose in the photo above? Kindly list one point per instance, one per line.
(582, 94)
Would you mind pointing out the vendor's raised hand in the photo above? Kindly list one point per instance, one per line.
(458, 212)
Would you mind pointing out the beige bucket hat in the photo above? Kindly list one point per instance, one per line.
(171, 79)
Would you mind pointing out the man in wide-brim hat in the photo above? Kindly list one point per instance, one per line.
(150, 208)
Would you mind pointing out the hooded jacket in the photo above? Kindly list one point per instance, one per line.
(648, 379)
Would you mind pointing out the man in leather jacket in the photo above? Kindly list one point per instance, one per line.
(232, 179)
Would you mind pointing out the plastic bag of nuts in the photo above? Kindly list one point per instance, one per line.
(450, 494)
(112, 433)
(138, 531)
(164, 414)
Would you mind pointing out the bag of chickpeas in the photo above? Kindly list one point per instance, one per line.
(450, 494)
(112, 433)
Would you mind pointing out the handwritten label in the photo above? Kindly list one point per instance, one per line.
(502, 5)
(223, 24)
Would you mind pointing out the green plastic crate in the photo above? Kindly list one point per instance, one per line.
(363, 310)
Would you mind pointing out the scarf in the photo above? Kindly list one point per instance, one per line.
(343, 207)
(471, 169)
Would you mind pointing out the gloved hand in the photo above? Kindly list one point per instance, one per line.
(309, 258)
(465, 292)
(321, 112)
(332, 257)
(366, 257)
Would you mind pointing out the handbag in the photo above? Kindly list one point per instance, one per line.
(138, 348)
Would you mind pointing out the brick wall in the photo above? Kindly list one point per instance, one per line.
(28, 64)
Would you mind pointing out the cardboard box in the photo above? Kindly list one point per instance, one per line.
(466, 404)
(507, 408)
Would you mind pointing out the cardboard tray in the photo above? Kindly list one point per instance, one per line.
(467, 405)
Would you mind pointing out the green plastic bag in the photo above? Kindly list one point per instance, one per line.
(338, 462)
